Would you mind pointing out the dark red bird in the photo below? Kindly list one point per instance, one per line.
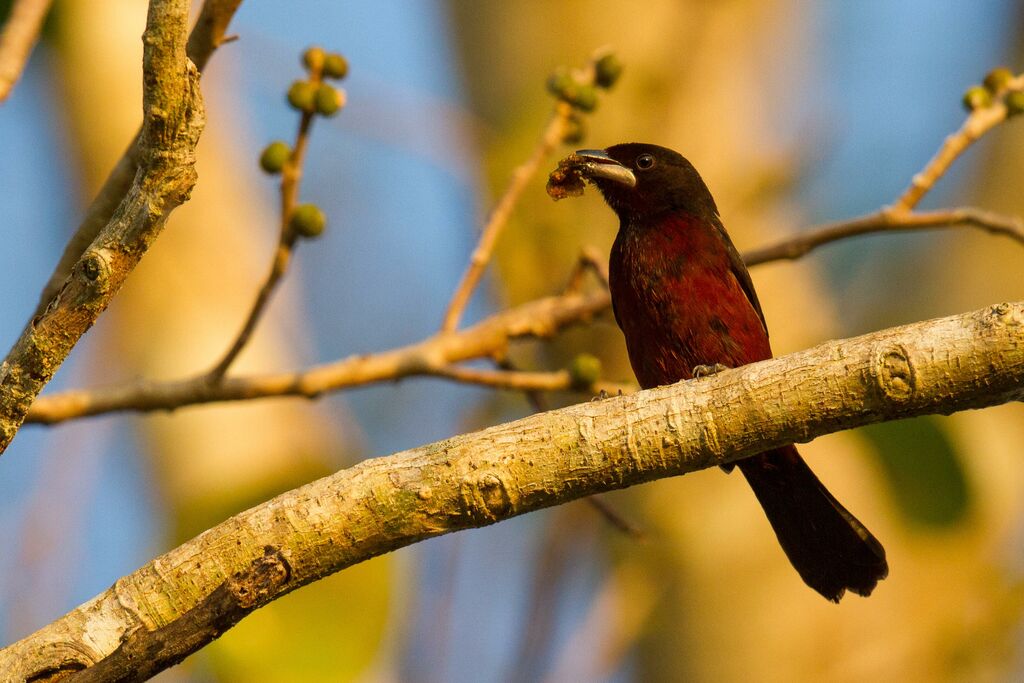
(685, 303)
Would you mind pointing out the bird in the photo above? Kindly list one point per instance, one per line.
(686, 305)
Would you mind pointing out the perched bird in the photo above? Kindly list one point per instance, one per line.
(686, 305)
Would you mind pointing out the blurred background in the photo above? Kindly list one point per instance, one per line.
(794, 112)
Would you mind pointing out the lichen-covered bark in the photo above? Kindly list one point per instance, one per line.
(172, 121)
(204, 586)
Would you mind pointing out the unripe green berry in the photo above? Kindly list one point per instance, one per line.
(560, 82)
(607, 71)
(302, 96)
(1014, 102)
(977, 97)
(329, 100)
(307, 220)
(335, 66)
(997, 79)
(584, 370)
(275, 156)
(575, 129)
(584, 99)
(313, 58)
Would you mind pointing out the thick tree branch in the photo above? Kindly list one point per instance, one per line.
(207, 35)
(17, 37)
(185, 598)
(172, 121)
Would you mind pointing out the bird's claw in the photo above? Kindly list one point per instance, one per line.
(708, 370)
(601, 395)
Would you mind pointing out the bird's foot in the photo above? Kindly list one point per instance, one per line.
(601, 395)
(708, 370)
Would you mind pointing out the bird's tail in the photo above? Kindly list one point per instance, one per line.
(828, 547)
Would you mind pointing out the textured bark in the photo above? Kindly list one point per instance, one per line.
(172, 121)
(204, 586)
(207, 35)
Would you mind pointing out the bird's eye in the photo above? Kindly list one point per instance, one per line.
(644, 162)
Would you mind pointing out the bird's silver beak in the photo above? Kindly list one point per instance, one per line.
(597, 164)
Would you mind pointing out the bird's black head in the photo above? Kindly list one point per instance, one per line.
(644, 181)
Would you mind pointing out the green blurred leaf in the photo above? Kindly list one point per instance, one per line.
(926, 478)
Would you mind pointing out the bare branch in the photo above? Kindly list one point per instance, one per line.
(977, 123)
(207, 35)
(173, 119)
(557, 380)
(888, 221)
(182, 600)
(490, 337)
(18, 36)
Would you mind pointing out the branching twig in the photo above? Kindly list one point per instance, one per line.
(887, 221)
(437, 356)
(184, 599)
(554, 133)
(17, 37)
(173, 119)
(540, 318)
(206, 37)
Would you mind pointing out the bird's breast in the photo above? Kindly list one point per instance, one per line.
(680, 305)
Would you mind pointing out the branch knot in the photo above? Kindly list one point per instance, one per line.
(486, 498)
(894, 373)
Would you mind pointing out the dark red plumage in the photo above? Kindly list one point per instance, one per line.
(683, 298)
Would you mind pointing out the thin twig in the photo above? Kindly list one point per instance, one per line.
(486, 339)
(210, 31)
(900, 216)
(888, 221)
(17, 37)
(977, 123)
(530, 382)
(553, 134)
(291, 175)
(517, 380)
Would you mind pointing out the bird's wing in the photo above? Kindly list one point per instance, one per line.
(740, 272)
